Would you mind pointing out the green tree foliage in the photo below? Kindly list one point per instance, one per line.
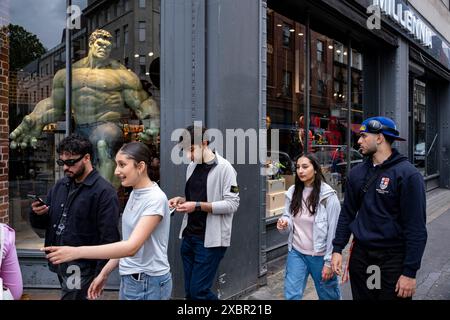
(24, 47)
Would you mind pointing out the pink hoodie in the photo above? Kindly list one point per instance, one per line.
(10, 269)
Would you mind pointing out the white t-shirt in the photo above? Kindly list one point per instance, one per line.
(152, 256)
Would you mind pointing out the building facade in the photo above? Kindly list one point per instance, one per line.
(309, 70)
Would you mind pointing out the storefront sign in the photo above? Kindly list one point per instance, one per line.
(406, 18)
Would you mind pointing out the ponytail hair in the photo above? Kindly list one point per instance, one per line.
(138, 152)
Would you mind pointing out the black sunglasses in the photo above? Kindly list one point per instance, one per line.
(68, 162)
(375, 126)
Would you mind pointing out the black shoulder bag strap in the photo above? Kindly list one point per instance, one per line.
(368, 183)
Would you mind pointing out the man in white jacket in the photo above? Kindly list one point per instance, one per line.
(211, 199)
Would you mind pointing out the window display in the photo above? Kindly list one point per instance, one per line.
(328, 124)
(102, 88)
(115, 93)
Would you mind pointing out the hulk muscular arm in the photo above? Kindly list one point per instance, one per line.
(136, 98)
(143, 105)
(46, 111)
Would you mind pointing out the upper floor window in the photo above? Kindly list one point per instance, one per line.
(125, 35)
(117, 38)
(287, 35)
(319, 51)
(141, 31)
(126, 5)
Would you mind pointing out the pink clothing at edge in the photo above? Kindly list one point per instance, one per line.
(10, 269)
(303, 228)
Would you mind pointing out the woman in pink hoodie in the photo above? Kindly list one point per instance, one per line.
(9, 267)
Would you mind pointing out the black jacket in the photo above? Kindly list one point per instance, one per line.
(92, 216)
(391, 214)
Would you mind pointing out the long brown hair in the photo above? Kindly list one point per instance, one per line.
(313, 199)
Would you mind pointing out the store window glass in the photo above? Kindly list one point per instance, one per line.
(419, 111)
(37, 86)
(329, 101)
(285, 103)
(425, 139)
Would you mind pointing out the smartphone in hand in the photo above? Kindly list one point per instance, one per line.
(36, 198)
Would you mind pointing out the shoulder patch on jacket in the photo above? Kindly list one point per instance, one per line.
(234, 189)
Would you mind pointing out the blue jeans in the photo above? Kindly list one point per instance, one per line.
(147, 288)
(200, 265)
(298, 268)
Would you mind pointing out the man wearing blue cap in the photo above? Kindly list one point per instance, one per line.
(385, 209)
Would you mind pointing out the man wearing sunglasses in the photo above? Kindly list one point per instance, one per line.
(82, 209)
(385, 209)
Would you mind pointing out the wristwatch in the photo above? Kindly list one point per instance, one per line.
(198, 207)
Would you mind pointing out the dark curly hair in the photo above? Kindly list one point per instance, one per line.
(76, 145)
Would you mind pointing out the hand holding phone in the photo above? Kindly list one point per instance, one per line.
(36, 198)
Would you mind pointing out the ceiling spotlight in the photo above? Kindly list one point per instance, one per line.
(136, 55)
(279, 25)
(300, 34)
(291, 30)
(150, 54)
(330, 47)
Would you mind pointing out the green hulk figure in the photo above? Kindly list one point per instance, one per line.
(102, 91)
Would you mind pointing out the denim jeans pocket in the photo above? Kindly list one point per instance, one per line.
(165, 280)
(166, 287)
(130, 288)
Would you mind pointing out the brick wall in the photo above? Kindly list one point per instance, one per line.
(4, 128)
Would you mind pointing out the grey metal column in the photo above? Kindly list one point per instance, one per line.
(349, 105)
(394, 89)
(211, 70)
(68, 71)
(182, 101)
(234, 94)
(307, 82)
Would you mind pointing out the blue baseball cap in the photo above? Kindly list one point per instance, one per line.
(382, 125)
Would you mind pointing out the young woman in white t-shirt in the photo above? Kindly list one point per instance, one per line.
(310, 217)
(142, 254)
